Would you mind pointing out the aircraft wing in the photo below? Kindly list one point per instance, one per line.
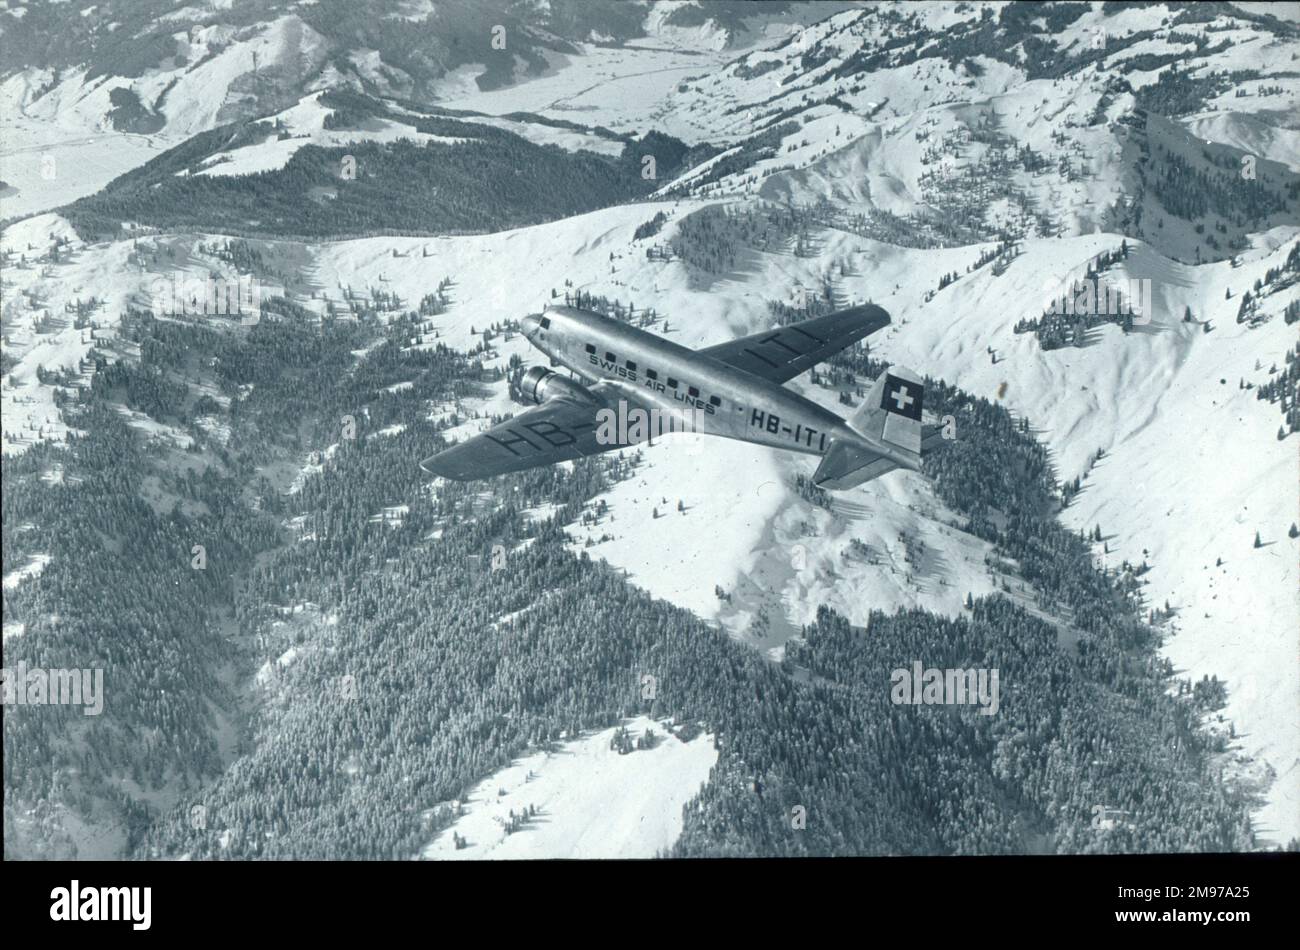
(557, 430)
(782, 353)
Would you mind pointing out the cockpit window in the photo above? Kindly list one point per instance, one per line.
(546, 323)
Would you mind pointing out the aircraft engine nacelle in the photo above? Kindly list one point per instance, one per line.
(540, 384)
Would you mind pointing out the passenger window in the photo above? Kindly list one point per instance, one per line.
(631, 366)
(610, 358)
(590, 349)
(672, 383)
(715, 400)
(695, 393)
(651, 374)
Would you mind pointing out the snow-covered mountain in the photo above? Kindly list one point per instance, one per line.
(97, 88)
(962, 165)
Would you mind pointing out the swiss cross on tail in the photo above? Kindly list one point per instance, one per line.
(902, 397)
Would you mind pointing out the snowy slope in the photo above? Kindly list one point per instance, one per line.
(1249, 134)
(66, 117)
(40, 332)
(590, 801)
(1192, 467)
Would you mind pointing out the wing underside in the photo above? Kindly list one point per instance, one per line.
(558, 430)
(782, 353)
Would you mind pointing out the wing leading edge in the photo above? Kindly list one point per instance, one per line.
(782, 353)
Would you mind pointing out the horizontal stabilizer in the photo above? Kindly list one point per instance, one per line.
(846, 466)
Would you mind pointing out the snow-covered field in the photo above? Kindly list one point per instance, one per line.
(616, 88)
(49, 166)
(589, 800)
(35, 564)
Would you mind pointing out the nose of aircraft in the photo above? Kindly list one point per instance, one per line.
(531, 324)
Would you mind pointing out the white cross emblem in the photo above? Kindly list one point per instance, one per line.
(902, 398)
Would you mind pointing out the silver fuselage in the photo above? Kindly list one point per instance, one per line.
(718, 399)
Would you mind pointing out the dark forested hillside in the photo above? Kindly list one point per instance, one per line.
(496, 182)
(473, 178)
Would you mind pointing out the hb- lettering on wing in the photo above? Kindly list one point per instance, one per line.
(556, 431)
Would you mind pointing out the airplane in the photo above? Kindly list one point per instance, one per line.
(633, 385)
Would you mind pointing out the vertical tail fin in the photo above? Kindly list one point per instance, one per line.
(891, 412)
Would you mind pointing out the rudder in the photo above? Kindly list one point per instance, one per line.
(891, 413)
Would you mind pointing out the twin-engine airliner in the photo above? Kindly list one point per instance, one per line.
(633, 385)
